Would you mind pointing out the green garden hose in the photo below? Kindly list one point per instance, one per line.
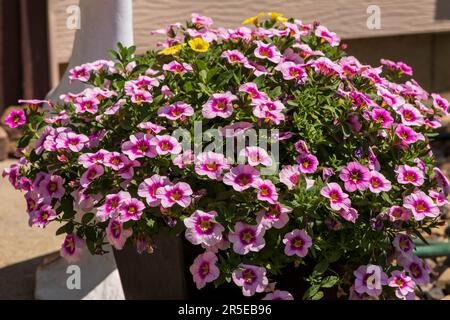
(433, 249)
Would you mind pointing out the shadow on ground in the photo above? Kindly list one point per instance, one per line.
(17, 281)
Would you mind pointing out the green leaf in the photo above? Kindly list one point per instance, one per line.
(188, 87)
(329, 282)
(203, 75)
(67, 228)
(87, 217)
(321, 267)
(139, 69)
(67, 207)
(24, 141)
(317, 296)
(311, 292)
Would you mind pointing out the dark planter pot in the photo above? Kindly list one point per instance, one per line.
(165, 274)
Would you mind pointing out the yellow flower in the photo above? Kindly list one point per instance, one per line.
(254, 19)
(278, 17)
(169, 51)
(199, 45)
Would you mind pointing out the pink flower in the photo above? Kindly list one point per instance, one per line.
(115, 160)
(403, 244)
(42, 216)
(201, 21)
(246, 238)
(165, 144)
(307, 163)
(86, 104)
(382, 117)
(252, 279)
(110, 208)
(301, 147)
(139, 146)
(139, 96)
(403, 284)
(253, 91)
(150, 127)
(52, 187)
(16, 119)
(297, 242)
(421, 205)
(72, 248)
(176, 111)
(306, 51)
(374, 164)
(256, 156)
(90, 174)
(183, 159)
(278, 295)
(72, 141)
(332, 38)
(177, 68)
(90, 159)
(291, 70)
(266, 191)
(179, 193)
(241, 177)
(407, 174)
(355, 176)
(338, 199)
(275, 216)
(399, 66)
(370, 279)
(441, 180)
(407, 135)
(202, 229)
(117, 236)
(219, 105)
(290, 176)
(378, 182)
(440, 104)
(410, 115)
(235, 129)
(204, 269)
(130, 209)
(417, 268)
(81, 73)
(439, 198)
(147, 189)
(211, 164)
(127, 171)
(267, 51)
(349, 214)
(234, 56)
(397, 213)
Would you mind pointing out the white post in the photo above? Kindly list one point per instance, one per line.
(103, 24)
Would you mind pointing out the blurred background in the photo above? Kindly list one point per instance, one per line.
(36, 45)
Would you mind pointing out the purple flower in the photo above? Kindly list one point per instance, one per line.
(90, 174)
(370, 279)
(202, 229)
(275, 216)
(349, 214)
(417, 268)
(176, 111)
(165, 144)
(266, 191)
(219, 105)
(234, 56)
(297, 242)
(117, 236)
(421, 205)
(290, 176)
(378, 182)
(72, 141)
(139, 146)
(397, 213)
(326, 35)
(267, 51)
(72, 248)
(241, 177)
(179, 193)
(404, 285)
(407, 135)
(382, 117)
(110, 207)
(130, 209)
(150, 127)
(256, 156)
(338, 199)
(307, 163)
(204, 269)
(115, 160)
(51, 186)
(355, 176)
(252, 279)
(86, 104)
(442, 180)
(403, 244)
(177, 68)
(16, 119)
(407, 174)
(211, 164)
(246, 238)
(252, 90)
(147, 189)
(410, 115)
(291, 70)
(42, 215)
(90, 159)
(278, 295)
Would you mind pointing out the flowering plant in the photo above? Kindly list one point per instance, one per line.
(125, 159)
